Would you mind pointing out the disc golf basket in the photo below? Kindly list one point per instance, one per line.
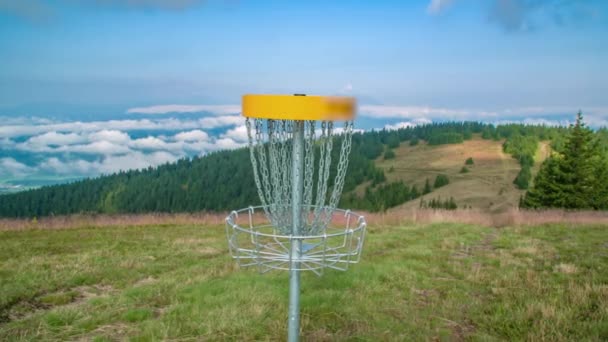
(298, 226)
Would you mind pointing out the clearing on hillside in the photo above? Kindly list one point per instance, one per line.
(488, 185)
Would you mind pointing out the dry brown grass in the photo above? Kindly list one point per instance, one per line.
(399, 216)
(513, 217)
(487, 186)
(103, 220)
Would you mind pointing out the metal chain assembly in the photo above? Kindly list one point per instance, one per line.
(271, 156)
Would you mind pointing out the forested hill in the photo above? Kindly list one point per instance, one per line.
(223, 180)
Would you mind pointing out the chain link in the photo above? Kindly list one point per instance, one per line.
(309, 162)
(341, 170)
(252, 149)
(271, 157)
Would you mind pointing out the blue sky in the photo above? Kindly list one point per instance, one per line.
(95, 86)
(485, 54)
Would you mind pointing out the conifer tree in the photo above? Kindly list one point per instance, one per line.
(427, 187)
(573, 178)
(414, 192)
(600, 196)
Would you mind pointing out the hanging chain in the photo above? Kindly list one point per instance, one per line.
(309, 166)
(252, 147)
(341, 171)
(271, 158)
(274, 131)
(285, 164)
(324, 170)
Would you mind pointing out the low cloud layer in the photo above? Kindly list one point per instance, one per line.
(209, 122)
(76, 149)
(595, 116)
(175, 108)
(37, 148)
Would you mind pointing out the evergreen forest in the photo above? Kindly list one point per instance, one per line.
(223, 180)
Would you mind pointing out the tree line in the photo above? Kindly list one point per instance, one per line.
(223, 180)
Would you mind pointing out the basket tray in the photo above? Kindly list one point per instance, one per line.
(254, 242)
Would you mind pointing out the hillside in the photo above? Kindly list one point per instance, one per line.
(223, 181)
(488, 185)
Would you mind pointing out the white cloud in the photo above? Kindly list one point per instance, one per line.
(408, 112)
(347, 89)
(9, 131)
(7, 143)
(529, 15)
(545, 122)
(221, 121)
(195, 135)
(149, 143)
(239, 134)
(114, 142)
(111, 136)
(175, 108)
(227, 143)
(406, 124)
(72, 167)
(107, 165)
(97, 147)
(11, 167)
(593, 115)
(55, 138)
(23, 120)
(111, 148)
(135, 160)
(438, 6)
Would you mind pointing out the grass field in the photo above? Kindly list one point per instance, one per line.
(487, 186)
(423, 282)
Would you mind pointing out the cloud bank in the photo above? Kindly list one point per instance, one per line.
(211, 122)
(175, 108)
(38, 148)
(595, 116)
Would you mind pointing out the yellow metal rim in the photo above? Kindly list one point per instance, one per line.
(298, 107)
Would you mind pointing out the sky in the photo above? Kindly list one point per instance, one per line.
(89, 80)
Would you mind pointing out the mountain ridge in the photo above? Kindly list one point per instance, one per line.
(223, 180)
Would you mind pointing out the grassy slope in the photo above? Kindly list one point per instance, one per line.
(488, 185)
(442, 281)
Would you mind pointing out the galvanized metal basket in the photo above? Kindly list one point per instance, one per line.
(255, 242)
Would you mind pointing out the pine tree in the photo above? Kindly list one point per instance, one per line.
(427, 187)
(600, 196)
(440, 181)
(572, 179)
(414, 192)
(579, 156)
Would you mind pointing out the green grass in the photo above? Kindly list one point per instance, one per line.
(432, 282)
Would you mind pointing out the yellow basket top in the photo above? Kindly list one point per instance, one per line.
(298, 107)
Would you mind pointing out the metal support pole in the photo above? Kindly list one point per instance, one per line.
(297, 183)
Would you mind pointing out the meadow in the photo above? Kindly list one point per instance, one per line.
(437, 281)
(488, 184)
